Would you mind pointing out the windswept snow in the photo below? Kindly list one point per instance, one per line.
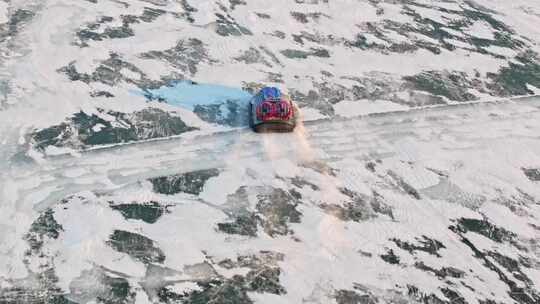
(128, 173)
(349, 108)
(405, 158)
(3, 12)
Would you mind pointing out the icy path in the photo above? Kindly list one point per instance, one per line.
(414, 135)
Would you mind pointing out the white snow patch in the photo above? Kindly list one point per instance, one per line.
(534, 89)
(86, 236)
(533, 274)
(98, 127)
(217, 188)
(503, 51)
(453, 6)
(481, 29)
(421, 37)
(130, 74)
(308, 114)
(458, 43)
(75, 172)
(348, 108)
(184, 287)
(54, 150)
(416, 176)
(433, 14)
(4, 12)
(370, 38)
(508, 220)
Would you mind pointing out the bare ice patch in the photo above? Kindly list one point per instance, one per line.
(212, 103)
(187, 94)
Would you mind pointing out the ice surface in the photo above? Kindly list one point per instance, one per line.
(188, 95)
(333, 240)
(384, 193)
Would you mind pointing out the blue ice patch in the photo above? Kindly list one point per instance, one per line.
(187, 94)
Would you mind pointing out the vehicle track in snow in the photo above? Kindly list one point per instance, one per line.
(467, 127)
